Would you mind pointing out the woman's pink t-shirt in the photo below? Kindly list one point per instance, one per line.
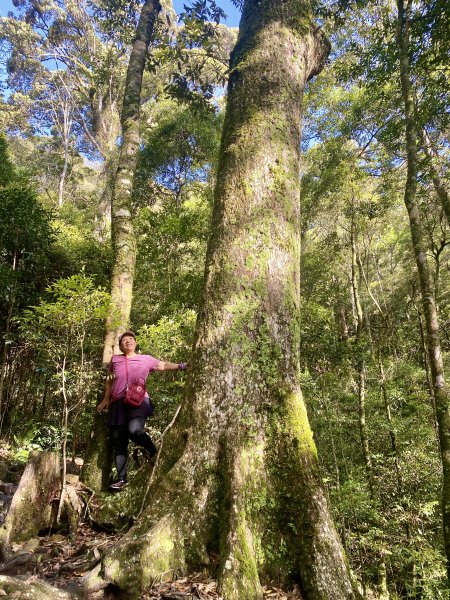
(139, 366)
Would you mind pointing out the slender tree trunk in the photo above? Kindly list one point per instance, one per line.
(64, 442)
(359, 359)
(124, 243)
(439, 186)
(361, 386)
(392, 434)
(362, 332)
(425, 363)
(330, 434)
(426, 284)
(65, 130)
(97, 460)
(103, 215)
(238, 473)
(393, 439)
(62, 177)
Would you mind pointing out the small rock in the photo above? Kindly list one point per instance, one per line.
(74, 466)
(32, 545)
(57, 537)
(24, 589)
(5, 502)
(7, 488)
(75, 589)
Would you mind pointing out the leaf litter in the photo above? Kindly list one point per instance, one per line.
(63, 563)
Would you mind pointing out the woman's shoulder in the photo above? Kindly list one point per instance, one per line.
(151, 361)
(117, 358)
(147, 357)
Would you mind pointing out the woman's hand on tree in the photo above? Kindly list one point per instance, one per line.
(103, 405)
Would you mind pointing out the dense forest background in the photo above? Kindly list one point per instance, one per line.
(366, 370)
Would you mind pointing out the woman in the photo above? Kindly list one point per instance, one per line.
(126, 422)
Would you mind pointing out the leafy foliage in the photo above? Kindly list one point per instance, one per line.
(169, 339)
(25, 237)
(63, 332)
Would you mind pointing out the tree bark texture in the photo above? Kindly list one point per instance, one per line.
(96, 469)
(426, 284)
(238, 474)
(31, 508)
(124, 244)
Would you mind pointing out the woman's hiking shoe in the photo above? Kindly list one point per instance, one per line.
(118, 485)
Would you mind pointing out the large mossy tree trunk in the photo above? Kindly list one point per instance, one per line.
(238, 474)
(123, 240)
(441, 394)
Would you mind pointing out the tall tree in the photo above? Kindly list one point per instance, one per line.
(441, 394)
(238, 473)
(97, 459)
(124, 244)
(89, 69)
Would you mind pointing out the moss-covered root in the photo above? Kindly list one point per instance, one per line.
(238, 574)
(136, 562)
(309, 530)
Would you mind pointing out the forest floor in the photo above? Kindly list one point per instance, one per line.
(62, 561)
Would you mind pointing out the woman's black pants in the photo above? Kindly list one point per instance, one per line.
(120, 435)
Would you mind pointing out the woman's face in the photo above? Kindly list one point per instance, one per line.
(127, 344)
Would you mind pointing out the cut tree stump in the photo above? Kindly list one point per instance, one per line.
(31, 508)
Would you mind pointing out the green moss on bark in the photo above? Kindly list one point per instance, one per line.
(137, 561)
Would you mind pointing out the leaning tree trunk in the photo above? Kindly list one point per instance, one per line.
(238, 474)
(124, 244)
(441, 395)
